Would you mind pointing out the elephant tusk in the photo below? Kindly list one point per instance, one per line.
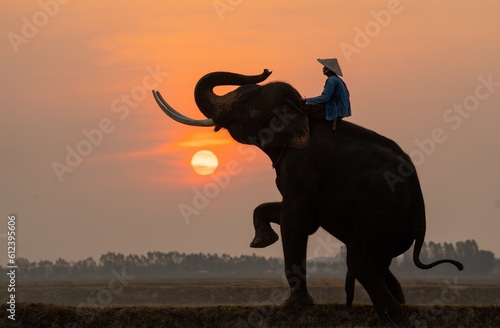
(176, 116)
(165, 104)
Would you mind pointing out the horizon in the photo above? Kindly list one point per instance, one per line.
(332, 256)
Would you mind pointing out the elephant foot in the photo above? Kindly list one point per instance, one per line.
(264, 238)
(399, 321)
(391, 323)
(395, 319)
(298, 300)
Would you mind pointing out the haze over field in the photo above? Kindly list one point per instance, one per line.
(90, 164)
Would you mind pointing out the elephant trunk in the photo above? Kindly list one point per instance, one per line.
(214, 106)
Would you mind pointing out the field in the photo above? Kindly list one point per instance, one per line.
(118, 302)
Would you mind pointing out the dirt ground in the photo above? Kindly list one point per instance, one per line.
(190, 292)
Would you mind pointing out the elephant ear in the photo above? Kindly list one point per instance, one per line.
(288, 126)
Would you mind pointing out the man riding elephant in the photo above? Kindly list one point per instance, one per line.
(333, 104)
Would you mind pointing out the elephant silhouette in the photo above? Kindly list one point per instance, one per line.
(339, 180)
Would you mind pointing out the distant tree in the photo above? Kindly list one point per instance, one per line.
(496, 267)
(435, 251)
(449, 251)
(343, 257)
(112, 260)
(61, 269)
(44, 269)
(85, 267)
(23, 267)
(486, 261)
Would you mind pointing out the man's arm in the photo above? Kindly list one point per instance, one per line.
(325, 96)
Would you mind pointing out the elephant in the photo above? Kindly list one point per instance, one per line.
(358, 185)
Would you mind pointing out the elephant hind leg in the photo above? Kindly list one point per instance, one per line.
(390, 280)
(387, 306)
(350, 282)
(395, 287)
(368, 265)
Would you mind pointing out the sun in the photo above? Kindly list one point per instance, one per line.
(204, 162)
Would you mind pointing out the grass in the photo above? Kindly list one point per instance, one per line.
(196, 303)
(320, 315)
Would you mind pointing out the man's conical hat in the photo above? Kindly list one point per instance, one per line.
(332, 64)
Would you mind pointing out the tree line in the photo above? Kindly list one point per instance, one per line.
(152, 265)
(174, 264)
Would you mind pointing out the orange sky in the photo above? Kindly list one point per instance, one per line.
(71, 67)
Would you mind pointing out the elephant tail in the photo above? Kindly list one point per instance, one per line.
(416, 254)
(419, 231)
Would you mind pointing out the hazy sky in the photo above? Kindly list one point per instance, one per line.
(75, 89)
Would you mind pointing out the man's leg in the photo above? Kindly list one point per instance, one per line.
(336, 120)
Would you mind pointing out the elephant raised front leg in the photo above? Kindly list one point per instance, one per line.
(262, 216)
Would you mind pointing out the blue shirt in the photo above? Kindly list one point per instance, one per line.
(335, 96)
